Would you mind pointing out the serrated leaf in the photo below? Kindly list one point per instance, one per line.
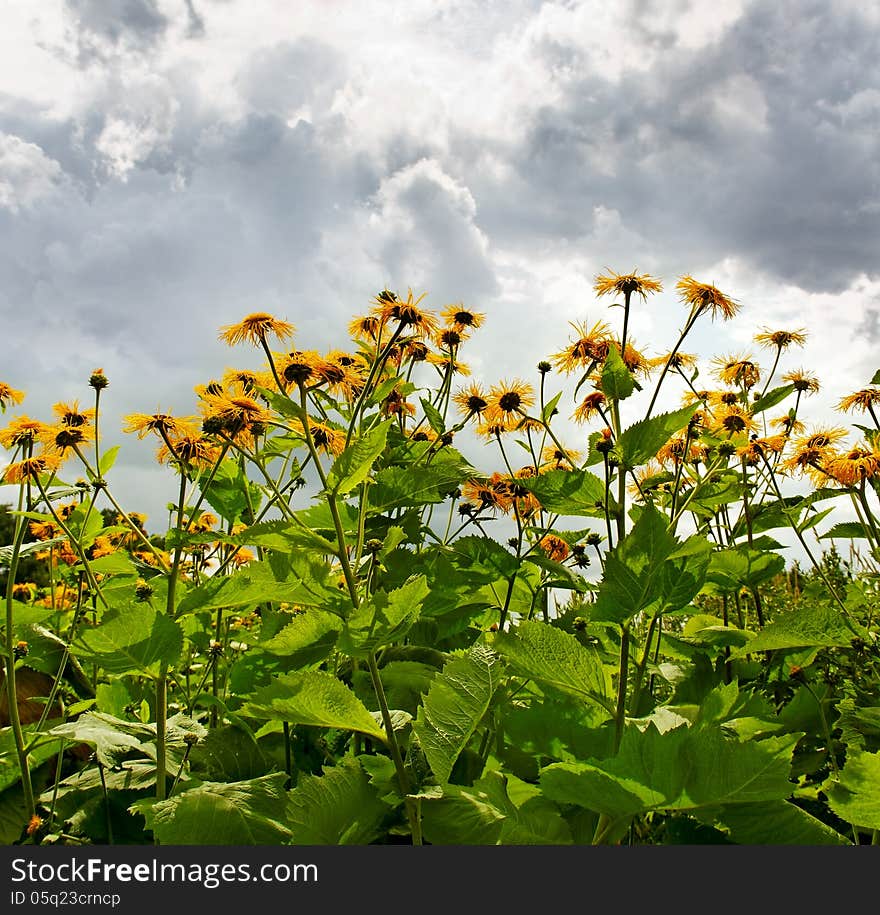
(855, 796)
(131, 639)
(846, 530)
(771, 823)
(340, 807)
(553, 657)
(398, 487)
(454, 706)
(307, 639)
(771, 398)
(312, 697)
(642, 440)
(355, 463)
(617, 380)
(567, 492)
(681, 769)
(433, 415)
(383, 618)
(230, 492)
(806, 627)
(220, 813)
(254, 583)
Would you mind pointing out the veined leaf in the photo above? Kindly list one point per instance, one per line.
(807, 627)
(397, 487)
(131, 639)
(340, 807)
(617, 380)
(642, 440)
(307, 639)
(454, 706)
(433, 415)
(771, 823)
(355, 463)
(855, 796)
(549, 655)
(383, 618)
(230, 492)
(220, 813)
(681, 769)
(567, 492)
(771, 398)
(846, 530)
(312, 697)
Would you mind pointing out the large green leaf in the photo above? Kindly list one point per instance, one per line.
(772, 398)
(221, 813)
(846, 530)
(649, 568)
(741, 567)
(307, 639)
(808, 626)
(230, 492)
(855, 796)
(681, 769)
(312, 697)
(255, 583)
(771, 823)
(383, 618)
(355, 463)
(617, 380)
(340, 807)
(397, 487)
(642, 440)
(131, 639)
(567, 492)
(553, 657)
(454, 706)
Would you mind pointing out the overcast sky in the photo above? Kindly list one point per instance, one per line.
(168, 166)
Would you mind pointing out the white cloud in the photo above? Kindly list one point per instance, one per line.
(27, 174)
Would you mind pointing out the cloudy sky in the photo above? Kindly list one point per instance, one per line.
(167, 166)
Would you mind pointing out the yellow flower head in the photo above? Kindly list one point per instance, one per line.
(460, 318)
(702, 297)
(864, 401)
(858, 464)
(737, 370)
(31, 468)
(804, 383)
(255, 328)
(22, 431)
(780, 339)
(555, 548)
(70, 414)
(587, 350)
(388, 307)
(589, 407)
(163, 424)
(509, 400)
(9, 395)
(626, 284)
(472, 400)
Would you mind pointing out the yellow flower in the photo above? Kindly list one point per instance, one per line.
(22, 431)
(626, 284)
(254, 328)
(31, 468)
(559, 459)
(703, 297)
(9, 396)
(70, 414)
(459, 317)
(508, 400)
(864, 401)
(780, 339)
(859, 463)
(589, 407)
(590, 348)
(804, 383)
(163, 424)
(737, 370)
(472, 400)
(389, 307)
(554, 548)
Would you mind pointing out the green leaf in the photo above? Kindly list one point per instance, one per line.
(340, 807)
(355, 463)
(647, 569)
(383, 618)
(642, 440)
(567, 492)
(741, 567)
(846, 530)
(108, 459)
(229, 754)
(29, 614)
(551, 656)
(454, 706)
(806, 627)
(398, 487)
(771, 823)
(312, 697)
(855, 797)
(550, 409)
(876, 377)
(283, 536)
(131, 639)
(617, 380)
(229, 490)
(681, 769)
(771, 398)
(307, 639)
(433, 415)
(220, 813)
